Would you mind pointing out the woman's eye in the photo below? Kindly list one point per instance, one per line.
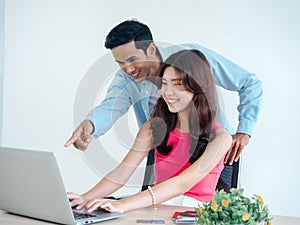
(177, 83)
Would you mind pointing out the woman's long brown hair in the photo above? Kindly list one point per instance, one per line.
(197, 78)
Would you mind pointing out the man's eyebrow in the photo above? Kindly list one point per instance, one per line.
(132, 57)
(128, 59)
(117, 61)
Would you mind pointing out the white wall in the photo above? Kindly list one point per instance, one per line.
(52, 46)
(1, 63)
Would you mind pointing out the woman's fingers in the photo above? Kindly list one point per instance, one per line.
(108, 205)
(93, 205)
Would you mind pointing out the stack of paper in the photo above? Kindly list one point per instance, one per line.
(186, 217)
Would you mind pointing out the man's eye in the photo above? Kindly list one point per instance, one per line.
(131, 60)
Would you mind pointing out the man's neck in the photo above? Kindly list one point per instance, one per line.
(156, 63)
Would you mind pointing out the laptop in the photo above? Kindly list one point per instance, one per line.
(32, 186)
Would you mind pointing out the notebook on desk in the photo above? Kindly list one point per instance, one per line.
(32, 186)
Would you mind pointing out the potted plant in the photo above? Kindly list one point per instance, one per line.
(233, 208)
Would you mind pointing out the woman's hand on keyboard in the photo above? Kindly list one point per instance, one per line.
(109, 205)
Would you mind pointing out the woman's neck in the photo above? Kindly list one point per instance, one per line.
(183, 121)
(182, 125)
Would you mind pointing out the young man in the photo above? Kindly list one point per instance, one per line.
(139, 58)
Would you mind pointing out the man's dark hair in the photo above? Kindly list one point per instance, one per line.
(127, 31)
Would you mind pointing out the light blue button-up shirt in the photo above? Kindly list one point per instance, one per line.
(124, 92)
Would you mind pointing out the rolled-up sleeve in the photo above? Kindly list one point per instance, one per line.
(115, 104)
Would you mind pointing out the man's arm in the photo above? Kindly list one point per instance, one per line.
(115, 104)
(102, 117)
(234, 78)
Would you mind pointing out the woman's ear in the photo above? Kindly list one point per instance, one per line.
(151, 50)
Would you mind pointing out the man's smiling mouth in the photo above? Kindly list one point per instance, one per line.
(135, 75)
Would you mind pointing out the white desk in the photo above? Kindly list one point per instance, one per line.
(163, 212)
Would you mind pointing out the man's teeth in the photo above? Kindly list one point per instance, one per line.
(135, 74)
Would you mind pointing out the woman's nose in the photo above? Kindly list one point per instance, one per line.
(168, 90)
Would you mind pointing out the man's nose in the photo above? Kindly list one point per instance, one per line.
(129, 69)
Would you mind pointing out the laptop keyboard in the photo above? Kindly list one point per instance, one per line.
(78, 215)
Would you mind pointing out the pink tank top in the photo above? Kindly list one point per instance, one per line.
(167, 166)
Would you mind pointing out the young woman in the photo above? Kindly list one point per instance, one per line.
(190, 144)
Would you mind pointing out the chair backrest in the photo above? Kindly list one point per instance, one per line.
(149, 173)
(229, 177)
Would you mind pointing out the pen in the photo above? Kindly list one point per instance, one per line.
(185, 221)
(151, 221)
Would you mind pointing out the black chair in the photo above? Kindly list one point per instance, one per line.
(228, 178)
(149, 173)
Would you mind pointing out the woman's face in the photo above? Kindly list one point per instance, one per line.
(174, 93)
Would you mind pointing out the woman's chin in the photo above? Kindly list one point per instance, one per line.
(173, 110)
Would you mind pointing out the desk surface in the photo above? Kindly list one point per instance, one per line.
(163, 212)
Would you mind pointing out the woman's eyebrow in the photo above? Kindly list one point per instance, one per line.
(175, 79)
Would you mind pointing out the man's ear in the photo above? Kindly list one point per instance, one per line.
(151, 50)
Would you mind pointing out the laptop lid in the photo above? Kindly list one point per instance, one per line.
(31, 185)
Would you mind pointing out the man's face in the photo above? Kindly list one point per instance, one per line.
(135, 62)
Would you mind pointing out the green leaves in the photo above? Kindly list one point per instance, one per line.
(233, 208)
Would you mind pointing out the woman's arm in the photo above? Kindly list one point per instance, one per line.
(120, 175)
(175, 186)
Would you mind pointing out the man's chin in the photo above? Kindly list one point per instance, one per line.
(140, 79)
